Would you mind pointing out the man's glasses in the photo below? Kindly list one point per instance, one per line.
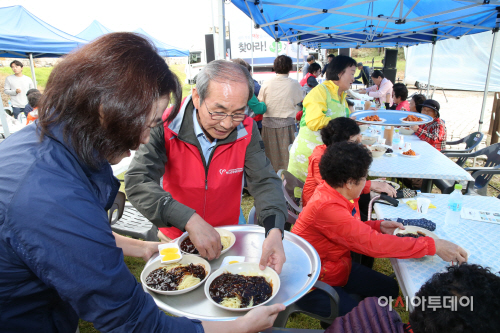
(221, 115)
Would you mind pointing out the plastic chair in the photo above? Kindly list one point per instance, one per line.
(307, 304)
(482, 175)
(126, 220)
(471, 142)
(290, 184)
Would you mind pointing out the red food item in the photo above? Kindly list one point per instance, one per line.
(410, 153)
(412, 118)
(372, 118)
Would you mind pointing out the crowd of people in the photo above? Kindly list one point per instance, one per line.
(60, 259)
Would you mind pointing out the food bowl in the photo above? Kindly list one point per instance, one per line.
(186, 260)
(363, 128)
(377, 151)
(368, 140)
(221, 231)
(245, 268)
(406, 131)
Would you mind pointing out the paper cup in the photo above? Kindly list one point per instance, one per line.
(407, 146)
(381, 141)
(423, 205)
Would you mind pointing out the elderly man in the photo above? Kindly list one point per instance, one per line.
(310, 60)
(364, 74)
(203, 155)
(381, 90)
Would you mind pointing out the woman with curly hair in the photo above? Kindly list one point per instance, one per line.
(323, 103)
(331, 224)
(338, 130)
(281, 95)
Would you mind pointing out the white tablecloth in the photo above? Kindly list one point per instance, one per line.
(481, 239)
(430, 165)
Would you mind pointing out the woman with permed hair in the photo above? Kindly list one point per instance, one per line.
(338, 130)
(331, 224)
(325, 102)
(281, 95)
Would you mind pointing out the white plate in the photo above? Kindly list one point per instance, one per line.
(409, 156)
(411, 122)
(186, 260)
(413, 229)
(221, 231)
(373, 122)
(245, 268)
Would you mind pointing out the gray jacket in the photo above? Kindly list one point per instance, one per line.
(142, 180)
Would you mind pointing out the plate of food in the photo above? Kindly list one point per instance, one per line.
(227, 239)
(393, 184)
(410, 119)
(242, 286)
(373, 119)
(177, 278)
(414, 232)
(409, 153)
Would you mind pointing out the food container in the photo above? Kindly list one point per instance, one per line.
(377, 151)
(406, 131)
(245, 268)
(368, 140)
(388, 133)
(169, 253)
(221, 231)
(186, 260)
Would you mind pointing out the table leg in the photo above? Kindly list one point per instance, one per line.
(426, 186)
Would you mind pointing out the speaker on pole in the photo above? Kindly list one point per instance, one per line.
(391, 58)
(390, 74)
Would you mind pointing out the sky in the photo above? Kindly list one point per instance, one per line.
(180, 23)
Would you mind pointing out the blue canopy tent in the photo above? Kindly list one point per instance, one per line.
(372, 23)
(164, 50)
(23, 35)
(94, 30)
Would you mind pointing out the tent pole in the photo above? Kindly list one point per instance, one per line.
(251, 40)
(222, 31)
(33, 76)
(486, 86)
(298, 62)
(430, 69)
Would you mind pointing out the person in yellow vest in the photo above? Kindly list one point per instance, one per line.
(324, 103)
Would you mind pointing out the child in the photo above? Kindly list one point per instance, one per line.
(434, 132)
(33, 99)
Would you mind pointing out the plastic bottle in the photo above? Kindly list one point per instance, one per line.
(22, 118)
(10, 104)
(396, 139)
(454, 207)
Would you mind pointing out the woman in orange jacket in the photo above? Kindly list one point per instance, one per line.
(331, 223)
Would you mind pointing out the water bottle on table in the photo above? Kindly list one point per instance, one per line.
(454, 207)
(396, 139)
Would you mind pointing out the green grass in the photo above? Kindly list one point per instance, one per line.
(42, 74)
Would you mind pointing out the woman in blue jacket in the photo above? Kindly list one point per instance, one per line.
(59, 260)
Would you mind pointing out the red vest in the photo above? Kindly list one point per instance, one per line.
(216, 196)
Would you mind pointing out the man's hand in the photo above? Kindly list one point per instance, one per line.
(414, 128)
(388, 227)
(273, 254)
(450, 252)
(382, 187)
(18, 91)
(204, 237)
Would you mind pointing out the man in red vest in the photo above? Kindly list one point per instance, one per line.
(204, 155)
